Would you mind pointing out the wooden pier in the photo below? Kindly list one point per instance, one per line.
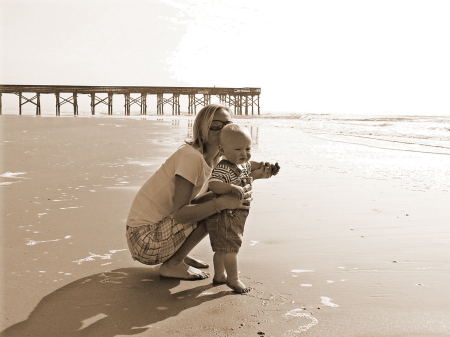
(243, 100)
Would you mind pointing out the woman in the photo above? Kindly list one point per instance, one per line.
(164, 223)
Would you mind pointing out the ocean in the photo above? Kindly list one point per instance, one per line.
(412, 151)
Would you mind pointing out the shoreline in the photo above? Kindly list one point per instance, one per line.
(262, 115)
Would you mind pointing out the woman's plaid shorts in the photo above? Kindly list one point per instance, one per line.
(155, 243)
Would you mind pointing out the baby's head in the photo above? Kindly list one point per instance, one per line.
(236, 143)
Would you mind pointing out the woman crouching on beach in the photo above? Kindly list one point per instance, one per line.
(165, 219)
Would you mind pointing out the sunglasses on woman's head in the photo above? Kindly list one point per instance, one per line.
(217, 125)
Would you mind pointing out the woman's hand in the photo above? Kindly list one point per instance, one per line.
(231, 201)
(240, 191)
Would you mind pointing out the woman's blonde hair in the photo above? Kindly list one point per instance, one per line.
(201, 126)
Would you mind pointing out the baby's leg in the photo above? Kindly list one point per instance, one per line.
(231, 267)
(220, 276)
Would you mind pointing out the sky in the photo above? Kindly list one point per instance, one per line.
(315, 56)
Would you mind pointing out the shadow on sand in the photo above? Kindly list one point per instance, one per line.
(119, 302)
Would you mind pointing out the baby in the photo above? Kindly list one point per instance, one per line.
(231, 175)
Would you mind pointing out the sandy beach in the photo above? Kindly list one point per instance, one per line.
(328, 251)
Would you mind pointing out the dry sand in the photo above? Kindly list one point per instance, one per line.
(327, 253)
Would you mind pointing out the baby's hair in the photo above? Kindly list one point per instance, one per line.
(230, 129)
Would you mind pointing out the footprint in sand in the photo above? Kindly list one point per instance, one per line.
(299, 313)
(113, 277)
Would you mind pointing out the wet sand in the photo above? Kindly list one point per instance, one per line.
(327, 253)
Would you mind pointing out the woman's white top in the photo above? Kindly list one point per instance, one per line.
(154, 201)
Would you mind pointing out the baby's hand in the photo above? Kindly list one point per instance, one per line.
(238, 191)
(275, 169)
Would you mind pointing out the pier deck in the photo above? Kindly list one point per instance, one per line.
(240, 98)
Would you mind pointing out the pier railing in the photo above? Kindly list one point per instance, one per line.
(244, 100)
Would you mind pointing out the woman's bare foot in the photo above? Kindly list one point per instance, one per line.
(181, 271)
(189, 260)
(238, 287)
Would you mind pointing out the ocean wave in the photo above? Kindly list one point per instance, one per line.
(348, 117)
(434, 130)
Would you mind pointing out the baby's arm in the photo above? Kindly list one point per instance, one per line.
(263, 169)
(219, 187)
(255, 165)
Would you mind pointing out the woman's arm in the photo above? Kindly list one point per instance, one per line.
(184, 211)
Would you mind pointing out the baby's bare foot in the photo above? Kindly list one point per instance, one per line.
(238, 287)
(220, 279)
